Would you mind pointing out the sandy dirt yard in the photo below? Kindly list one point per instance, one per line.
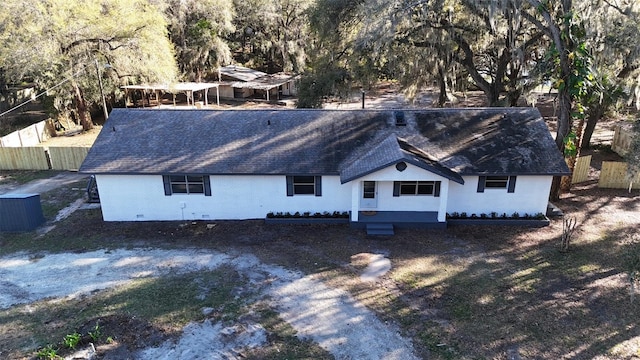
(328, 316)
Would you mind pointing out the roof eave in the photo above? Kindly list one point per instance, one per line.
(453, 176)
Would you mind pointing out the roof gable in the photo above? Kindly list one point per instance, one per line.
(390, 151)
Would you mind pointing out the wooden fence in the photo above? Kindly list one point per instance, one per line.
(67, 158)
(41, 158)
(622, 137)
(613, 175)
(23, 158)
(581, 170)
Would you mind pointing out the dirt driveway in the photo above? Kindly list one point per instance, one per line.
(328, 316)
(42, 185)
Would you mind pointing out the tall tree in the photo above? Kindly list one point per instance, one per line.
(333, 25)
(198, 29)
(272, 35)
(491, 43)
(585, 60)
(613, 27)
(558, 21)
(58, 42)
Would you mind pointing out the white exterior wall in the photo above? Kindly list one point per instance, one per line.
(141, 198)
(530, 197)
(290, 88)
(387, 202)
(236, 197)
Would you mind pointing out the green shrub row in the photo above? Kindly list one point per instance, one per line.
(495, 215)
(308, 214)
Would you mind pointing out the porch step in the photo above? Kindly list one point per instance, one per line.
(379, 229)
(553, 210)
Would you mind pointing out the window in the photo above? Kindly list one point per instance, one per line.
(497, 182)
(304, 185)
(369, 190)
(416, 188)
(186, 184)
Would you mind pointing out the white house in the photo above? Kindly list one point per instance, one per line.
(389, 166)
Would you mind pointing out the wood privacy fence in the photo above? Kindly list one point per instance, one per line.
(622, 138)
(613, 175)
(23, 158)
(42, 158)
(581, 170)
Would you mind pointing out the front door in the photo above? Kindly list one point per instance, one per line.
(369, 195)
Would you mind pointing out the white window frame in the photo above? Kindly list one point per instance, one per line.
(297, 183)
(185, 184)
(401, 188)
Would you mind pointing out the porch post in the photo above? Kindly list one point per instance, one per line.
(355, 200)
(444, 197)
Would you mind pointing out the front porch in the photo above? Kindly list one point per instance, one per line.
(400, 219)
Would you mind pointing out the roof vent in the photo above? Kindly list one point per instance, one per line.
(401, 166)
(400, 120)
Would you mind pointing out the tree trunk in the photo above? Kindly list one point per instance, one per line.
(81, 108)
(442, 82)
(565, 182)
(571, 159)
(592, 119)
(564, 128)
(554, 195)
(493, 96)
(564, 116)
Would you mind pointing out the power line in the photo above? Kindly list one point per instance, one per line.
(42, 93)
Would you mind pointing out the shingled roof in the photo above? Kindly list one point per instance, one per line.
(349, 143)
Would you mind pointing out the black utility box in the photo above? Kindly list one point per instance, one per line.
(20, 212)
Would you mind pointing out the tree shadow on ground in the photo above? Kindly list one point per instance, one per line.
(532, 301)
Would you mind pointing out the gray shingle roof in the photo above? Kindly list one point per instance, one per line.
(350, 143)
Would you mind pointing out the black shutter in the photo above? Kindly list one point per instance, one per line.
(512, 184)
(289, 185)
(318, 181)
(396, 188)
(481, 181)
(436, 189)
(167, 185)
(207, 185)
